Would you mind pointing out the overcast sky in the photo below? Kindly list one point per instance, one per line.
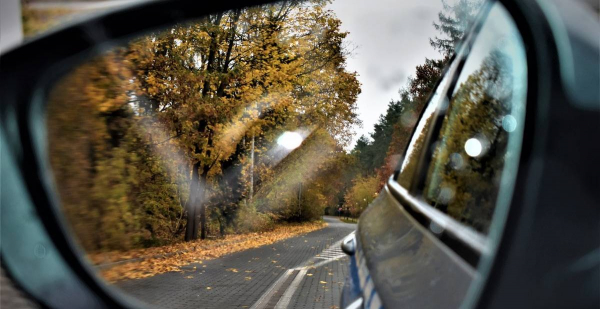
(389, 38)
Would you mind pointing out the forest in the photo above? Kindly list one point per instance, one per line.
(190, 132)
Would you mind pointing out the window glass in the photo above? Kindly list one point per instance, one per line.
(479, 143)
(409, 166)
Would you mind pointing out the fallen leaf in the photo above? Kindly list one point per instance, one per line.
(172, 258)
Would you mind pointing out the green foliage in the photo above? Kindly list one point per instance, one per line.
(380, 153)
(250, 220)
(118, 227)
(371, 152)
(361, 194)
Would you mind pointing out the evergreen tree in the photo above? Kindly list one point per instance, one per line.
(453, 22)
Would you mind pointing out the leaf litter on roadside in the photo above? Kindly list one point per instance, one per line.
(151, 261)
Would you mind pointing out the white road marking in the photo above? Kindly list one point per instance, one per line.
(287, 296)
(332, 253)
(264, 299)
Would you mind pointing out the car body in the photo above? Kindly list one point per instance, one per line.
(541, 248)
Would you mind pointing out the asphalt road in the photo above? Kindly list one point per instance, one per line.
(302, 272)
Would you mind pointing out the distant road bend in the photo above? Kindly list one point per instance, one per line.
(301, 272)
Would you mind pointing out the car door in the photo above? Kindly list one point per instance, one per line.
(420, 242)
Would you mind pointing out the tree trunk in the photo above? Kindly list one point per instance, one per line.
(212, 52)
(221, 224)
(191, 227)
(202, 220)
(251, 193)
(202, 201)
(231, 39)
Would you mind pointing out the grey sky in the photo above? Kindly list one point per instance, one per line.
(390, 38)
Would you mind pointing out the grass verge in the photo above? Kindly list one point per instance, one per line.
(349, 220)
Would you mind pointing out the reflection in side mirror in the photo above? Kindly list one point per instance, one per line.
(186, 146)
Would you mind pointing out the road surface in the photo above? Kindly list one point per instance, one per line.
(301, 272)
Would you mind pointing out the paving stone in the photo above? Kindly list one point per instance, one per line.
(213, 284)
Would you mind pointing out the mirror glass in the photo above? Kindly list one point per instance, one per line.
(204, 164)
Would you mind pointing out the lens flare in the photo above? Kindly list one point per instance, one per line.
(290, 140)
(473, 147)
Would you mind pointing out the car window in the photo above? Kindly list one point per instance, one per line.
(478, 146)
(410, 164)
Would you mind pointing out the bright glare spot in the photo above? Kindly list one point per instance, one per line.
(509, 123)
(446, 195)
(456, 161)
(435, 228)
(289, 140)
(408, 119)
(473, 147)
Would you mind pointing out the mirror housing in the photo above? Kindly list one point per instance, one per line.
(349, 244)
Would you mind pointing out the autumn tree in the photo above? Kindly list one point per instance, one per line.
(363, 191)
(380, 153)
(462, 185)
(115, 192)
(229, 81)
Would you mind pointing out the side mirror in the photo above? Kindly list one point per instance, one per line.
(349, 244)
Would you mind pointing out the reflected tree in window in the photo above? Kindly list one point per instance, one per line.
(464, 176)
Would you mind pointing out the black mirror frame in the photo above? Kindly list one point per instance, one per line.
(531, 244)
